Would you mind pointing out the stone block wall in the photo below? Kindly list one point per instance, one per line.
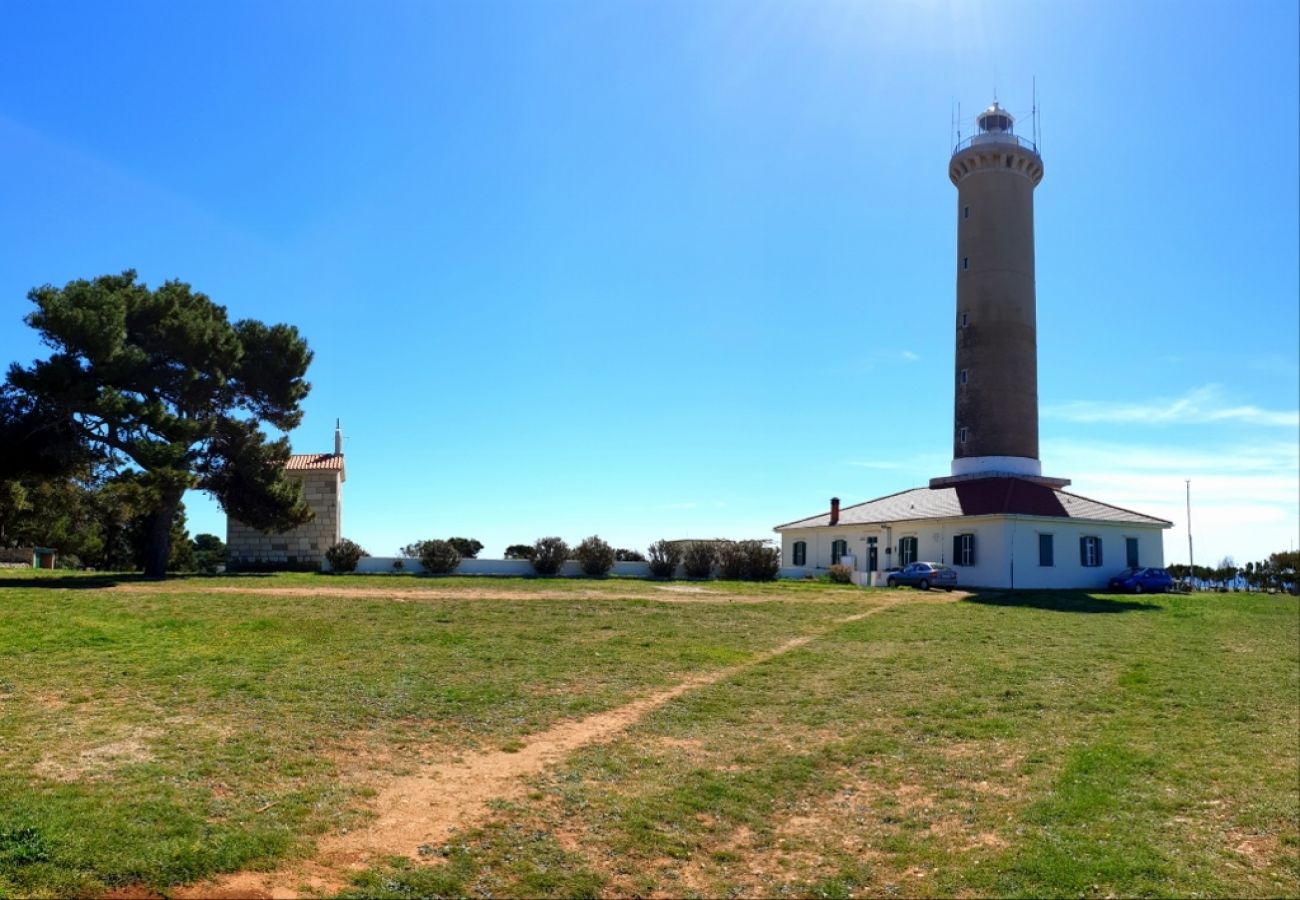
(302, 547)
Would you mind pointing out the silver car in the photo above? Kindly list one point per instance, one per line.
(923, 575)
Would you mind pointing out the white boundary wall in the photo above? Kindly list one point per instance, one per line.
(522, 568)
(519, 568)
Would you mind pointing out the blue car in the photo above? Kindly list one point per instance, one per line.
(1141, 581)
(923, 576)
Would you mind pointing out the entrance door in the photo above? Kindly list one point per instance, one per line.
(873, 561)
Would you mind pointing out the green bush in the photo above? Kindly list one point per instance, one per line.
(521, 551)
(439, 557)
(622, 555)
(549, 554)
(468, 548)
(731, 559)
(748, 561)
(344, 556)
(698, 558)
(762, 562)
(595, 556)
(664, 559)
(840, 574)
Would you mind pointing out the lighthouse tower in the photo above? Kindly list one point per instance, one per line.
(995, 409)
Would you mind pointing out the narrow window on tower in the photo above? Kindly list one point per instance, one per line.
(961, 434)
(965, 262)
(961, 376)
(965, 319)
(965, 213)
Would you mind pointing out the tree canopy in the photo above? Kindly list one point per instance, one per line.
(161, 383)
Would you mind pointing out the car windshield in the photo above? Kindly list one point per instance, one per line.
(1128, 572)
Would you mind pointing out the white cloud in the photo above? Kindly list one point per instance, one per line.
(1199, 406)
(1245, 498)
(910, 356)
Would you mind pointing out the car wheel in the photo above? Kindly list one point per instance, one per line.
(923, 585)
(1137, 588)
(891, 582)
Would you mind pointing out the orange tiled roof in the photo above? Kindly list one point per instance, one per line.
(301, 461)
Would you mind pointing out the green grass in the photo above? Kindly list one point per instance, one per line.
(1020, 745)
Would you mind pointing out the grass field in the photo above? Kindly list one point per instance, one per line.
(1056, 744)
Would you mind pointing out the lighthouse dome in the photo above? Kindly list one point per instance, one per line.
(995, 120)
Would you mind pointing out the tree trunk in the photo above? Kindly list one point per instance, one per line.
(158, 539)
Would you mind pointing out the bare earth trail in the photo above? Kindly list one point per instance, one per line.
(427, 806)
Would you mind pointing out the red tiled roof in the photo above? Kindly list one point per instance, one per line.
(300, 461)
(979, 497)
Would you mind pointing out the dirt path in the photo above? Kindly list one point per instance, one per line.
(426, 807)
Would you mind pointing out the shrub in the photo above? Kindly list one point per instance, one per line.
(628, 555)
(595, 556)
(521, 551)
(411, 551)
(398, 565)
(762, 562)
(731, 558)
(468, 548)
(841, 574)
(698, 558)
(664, 559)
(748, 561)
(549, 554)
(439, 557)
(344, 556)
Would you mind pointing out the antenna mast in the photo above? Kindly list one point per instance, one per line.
(1034, 114)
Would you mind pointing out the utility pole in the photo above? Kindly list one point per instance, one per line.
(1191, 560)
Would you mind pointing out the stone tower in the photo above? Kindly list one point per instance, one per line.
(995, 412)
(322, 476)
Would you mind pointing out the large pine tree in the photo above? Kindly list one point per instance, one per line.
(162, 383)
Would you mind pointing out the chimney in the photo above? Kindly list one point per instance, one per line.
(338, 438)
(835, 510)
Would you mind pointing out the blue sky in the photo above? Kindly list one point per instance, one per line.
(683, 269)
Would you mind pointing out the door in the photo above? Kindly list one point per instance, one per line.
(873, 561)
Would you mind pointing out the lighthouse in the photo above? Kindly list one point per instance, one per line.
(995, 383)
(995, 517)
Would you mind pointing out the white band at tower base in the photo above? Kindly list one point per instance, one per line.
(996, 465)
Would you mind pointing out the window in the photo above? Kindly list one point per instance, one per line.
(962, 434)
(1046, 553)
(965, 262)
(1089, 551)
(965, 319)
(965, 213)
(838, 549)
(963, 549)
(962, 376)
(907, 548)
(800, 553)
(1131, 553)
